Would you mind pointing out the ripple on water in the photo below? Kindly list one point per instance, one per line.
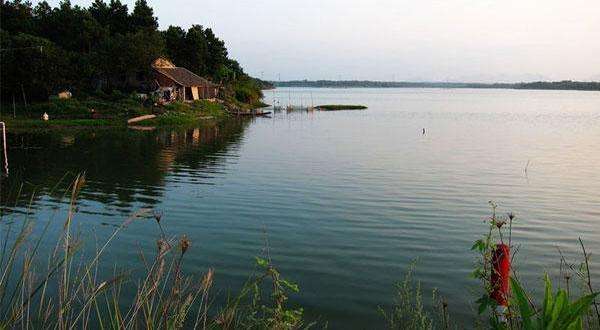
(347, 200)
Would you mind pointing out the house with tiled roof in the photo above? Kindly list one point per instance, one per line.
(178, 83)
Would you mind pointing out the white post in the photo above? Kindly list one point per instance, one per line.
(4, 143)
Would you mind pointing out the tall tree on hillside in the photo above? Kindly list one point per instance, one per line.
(143, 16)
(101, 46)
(174, 38)
(123, 60)
(71, 27)
(196, 50)
(143, 48)
(118, 20)
(100, 12)
(32, 67)
(42, 10)
(217, 53)
(16, 16)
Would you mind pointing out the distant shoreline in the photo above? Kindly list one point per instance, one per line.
(538, 85)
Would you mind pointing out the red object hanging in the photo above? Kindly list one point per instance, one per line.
(500, 274)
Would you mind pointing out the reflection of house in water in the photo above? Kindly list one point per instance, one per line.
(196, 136)
(177, 83)
(181, 142)
(189, 137)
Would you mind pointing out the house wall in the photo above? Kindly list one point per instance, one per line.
(197, 92)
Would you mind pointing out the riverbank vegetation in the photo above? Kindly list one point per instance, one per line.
(102, 56)
(66, 289)
(334, 107)
(549, 85)
(112, 111)
(179, 113)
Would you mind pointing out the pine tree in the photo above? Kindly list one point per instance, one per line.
(143, 16)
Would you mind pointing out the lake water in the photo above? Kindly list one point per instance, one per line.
(347, 199)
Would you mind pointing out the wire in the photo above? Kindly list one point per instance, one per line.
(22, 48)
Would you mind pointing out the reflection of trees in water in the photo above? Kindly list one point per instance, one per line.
(122, 166)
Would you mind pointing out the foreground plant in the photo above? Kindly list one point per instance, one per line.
(557, 311)
(494, 243)
(506, 301)
(408, 311)
(251, 309)
(71, 293)
(510, 306)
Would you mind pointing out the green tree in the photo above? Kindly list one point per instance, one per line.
(174, 38)
(123, 60)
(32, 67)
(16, 16)
(195, 50)
(142, 16)
(103, 46)
(100, 12)
(118, 18)
(217, 52)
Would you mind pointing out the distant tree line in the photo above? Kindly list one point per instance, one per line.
(552, 85)
(103, 47)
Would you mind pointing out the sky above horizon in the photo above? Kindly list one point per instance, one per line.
(398, 40)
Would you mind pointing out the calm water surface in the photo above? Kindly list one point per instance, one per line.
(347, 199)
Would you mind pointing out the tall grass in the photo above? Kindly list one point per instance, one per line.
(70, 292)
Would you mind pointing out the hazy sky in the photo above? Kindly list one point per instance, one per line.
(456, 40)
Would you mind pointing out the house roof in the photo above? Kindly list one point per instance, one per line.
(162, 62)
(183, 76)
